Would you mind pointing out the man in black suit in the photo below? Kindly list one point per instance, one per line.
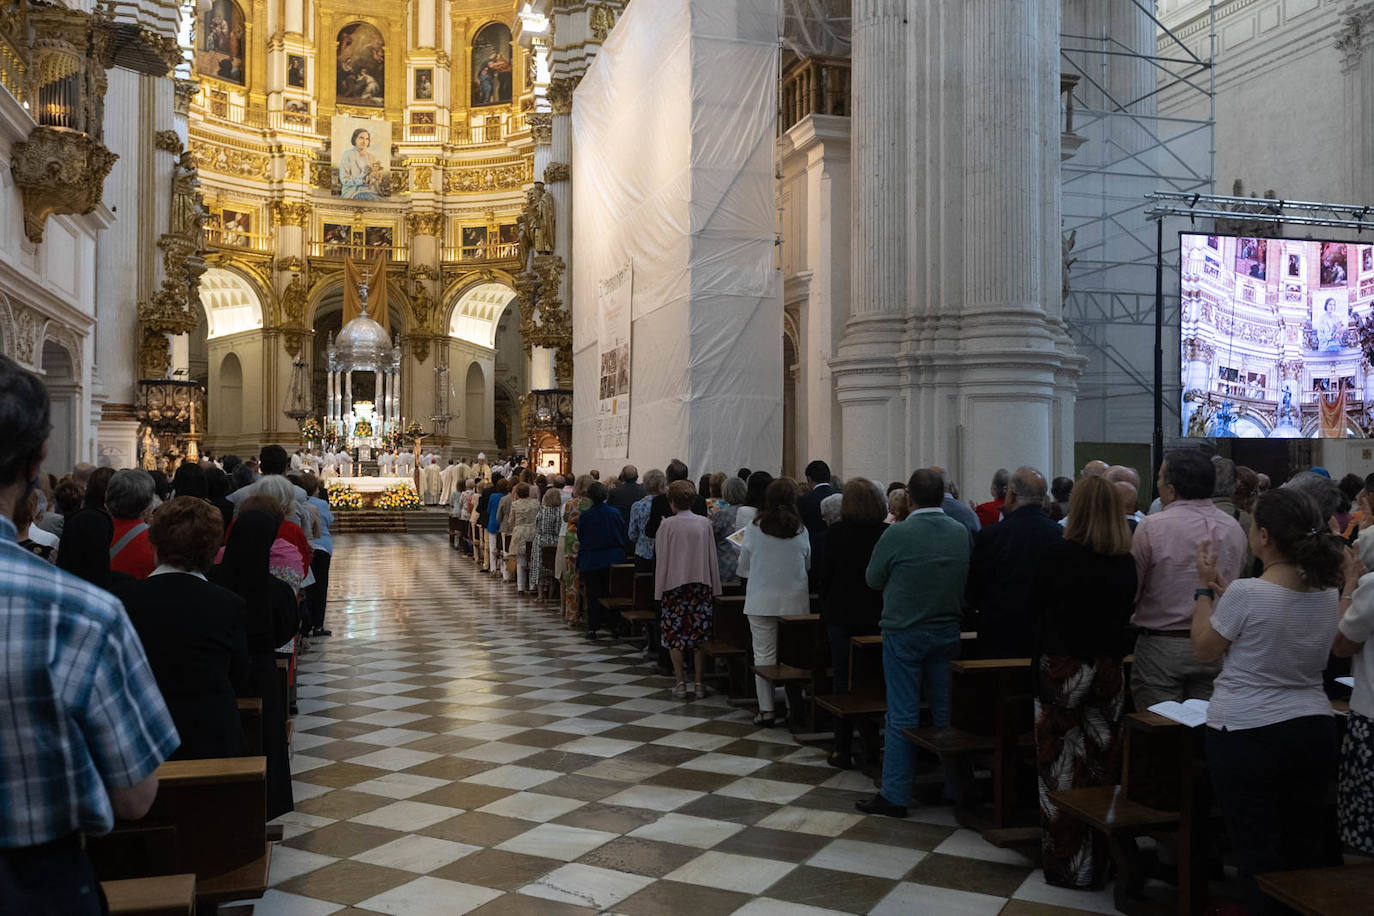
(194, 633)
(1005, 559)
(626, 494)
(818, 475)
(660, 509)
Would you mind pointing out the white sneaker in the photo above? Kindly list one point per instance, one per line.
(680, 691)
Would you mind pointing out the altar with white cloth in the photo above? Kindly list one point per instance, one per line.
(373, 485)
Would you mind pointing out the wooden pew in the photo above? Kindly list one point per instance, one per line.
(632, 598)
(1341, 891)
(866, 700)
(731, 641)
(1164, 788)
(250, 717)
(801, 661)
(991, 712)
(164, 895)
(455, 531)
(209, 819)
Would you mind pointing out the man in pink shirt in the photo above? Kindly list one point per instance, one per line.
(1165, 551)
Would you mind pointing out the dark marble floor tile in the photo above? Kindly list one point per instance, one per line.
(781, 845)
(961, 874)
(506, 871)
(642, 857)
(831, 890)
(675, 897)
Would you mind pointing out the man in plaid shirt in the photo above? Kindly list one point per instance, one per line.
(82, 724)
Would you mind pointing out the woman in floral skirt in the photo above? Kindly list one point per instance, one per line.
(1084, 596)
(572, 580)
(686, 581)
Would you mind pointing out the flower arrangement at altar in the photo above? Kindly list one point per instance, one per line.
(363, 430)
(414, 431)
(331, 435)
(310, 430)
(398, 496)
(393, 438)
(344, 496)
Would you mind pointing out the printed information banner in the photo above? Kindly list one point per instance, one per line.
(613, 301)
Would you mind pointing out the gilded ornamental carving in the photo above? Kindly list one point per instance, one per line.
(424, 175)
(291, 213)
(229, 161)
(58, 171)
(489, 178)
(425, 223)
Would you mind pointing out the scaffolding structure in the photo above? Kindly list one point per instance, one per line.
(1119, 147)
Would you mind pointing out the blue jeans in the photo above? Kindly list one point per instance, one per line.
(912, 659)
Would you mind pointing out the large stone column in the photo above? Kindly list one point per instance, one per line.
(992, 367)
(865, 369)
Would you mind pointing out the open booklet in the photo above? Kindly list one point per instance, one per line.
(737, 538)
(1347, 681)
(1191, 713)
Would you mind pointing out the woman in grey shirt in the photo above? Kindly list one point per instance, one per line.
(1271, 738)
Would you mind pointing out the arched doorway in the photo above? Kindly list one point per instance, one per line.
(226, 398)
(59, 376)
(475, 418)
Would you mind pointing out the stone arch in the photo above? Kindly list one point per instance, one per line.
(66, 340)
(64, 395)
(326, 293)
(475, 388)
(475, 309)
(227, 397)
(232, 302)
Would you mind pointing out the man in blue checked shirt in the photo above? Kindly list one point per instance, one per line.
(82, 724)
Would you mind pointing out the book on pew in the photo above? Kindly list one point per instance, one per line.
(1347, 681)
(1191, 713)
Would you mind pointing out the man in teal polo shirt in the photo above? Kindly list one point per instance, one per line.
(921, 565)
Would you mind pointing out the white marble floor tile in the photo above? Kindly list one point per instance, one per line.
(655, 798)
(514, 777)
(765, 790)
(532, 806)
(767, 906)
(393, 758)
(428, 896)
(597, 746)
(586, 885)
(498, 752)
(1035, 890)
(557, 841)
(407, 815)
(276, 903)
(907, 899)
(694, 741)
(810, 820)
(399, 785)
(746, 874)
(388, 717)
(419, 854)
(873, 859)
(288, 863)
(728, 764)
(971, 845)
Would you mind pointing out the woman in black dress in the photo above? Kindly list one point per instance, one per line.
(1085, 592)
(272, 620)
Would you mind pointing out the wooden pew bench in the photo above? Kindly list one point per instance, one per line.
(866, 702)
(164, 895)
(1343, 891)
(991, 713)
(209, 819)
(800, 664)
(732, 643)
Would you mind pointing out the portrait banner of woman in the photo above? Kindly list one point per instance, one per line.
(360, 65)
(220, 40)
(361, 150)
(492, 69)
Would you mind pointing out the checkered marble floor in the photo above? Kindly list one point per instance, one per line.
(458, 750)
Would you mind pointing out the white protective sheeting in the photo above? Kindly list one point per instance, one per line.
(673, 133)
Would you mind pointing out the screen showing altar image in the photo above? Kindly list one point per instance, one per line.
(1271, 337)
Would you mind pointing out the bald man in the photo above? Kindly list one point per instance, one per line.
(1094, 469)
(1130, 502)
(1006, 557)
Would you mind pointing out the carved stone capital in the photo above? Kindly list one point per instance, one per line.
(541, 128)
(185, 91)
(1357, 30)
(600, 19)
(561, 93)
(58, 171)
(291, 213)
(168, 142)
(425, 223)
(557, 171)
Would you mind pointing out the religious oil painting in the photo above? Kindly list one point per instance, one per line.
(360, 65)
(337, 239)
(360, 148)
(378, 237)
(236, 227)
(425, 118)
(1335, 270)
(424, 84)
(295, 71)
(1250, 257)
(220, 40)
(474, 239)
(492, 70)
(296, 106)
(1295, 265)
(1366, 259)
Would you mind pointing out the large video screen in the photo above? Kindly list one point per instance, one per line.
(1272, 337)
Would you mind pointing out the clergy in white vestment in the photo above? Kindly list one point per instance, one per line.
(297, 463)
(461, 472)
(446, 477)
(386, 464)
(345, 463)
(433, 484)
